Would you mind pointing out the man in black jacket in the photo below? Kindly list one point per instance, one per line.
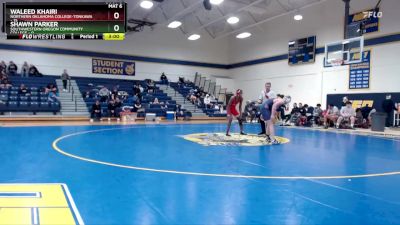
(388, 107)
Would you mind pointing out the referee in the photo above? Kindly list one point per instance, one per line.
(265, 95)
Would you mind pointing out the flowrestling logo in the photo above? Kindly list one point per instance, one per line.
(372, 14)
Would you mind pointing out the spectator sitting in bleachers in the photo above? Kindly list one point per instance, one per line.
(309, 114)
(136, 89)
(303, 115)
(346, 113)
(23, 91)
(151, 86)
(118, 103)
(114, 93)
(360, 121)
(365, 111)
(52, 97)
(33, 71)
(104, 93)
(318, 115)
(155, 101)
(207, 101)
(291, 116)
(24, 69)
(5, 82)
(163, 78)
(96, 111)
(50, 88)
(12, 69)
(3, 67)
(331, 115)
(112, 109)
(137, 107)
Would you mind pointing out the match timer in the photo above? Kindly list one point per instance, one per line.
(65, 20)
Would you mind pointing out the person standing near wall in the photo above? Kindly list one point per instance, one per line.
(65, 77)
(389, 107)
(266, 94)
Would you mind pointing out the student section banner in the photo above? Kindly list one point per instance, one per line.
(113, 67)
(360, 72)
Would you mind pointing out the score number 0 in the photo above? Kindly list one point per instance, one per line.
(116, 16)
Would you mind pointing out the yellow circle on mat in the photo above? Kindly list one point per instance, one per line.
(55, 147)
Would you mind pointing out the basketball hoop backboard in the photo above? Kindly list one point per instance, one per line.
(344, 52)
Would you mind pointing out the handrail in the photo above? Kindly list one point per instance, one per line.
(76, 105)
(72, 96)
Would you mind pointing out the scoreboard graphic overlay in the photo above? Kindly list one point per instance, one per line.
(63, 20)
(37, 204)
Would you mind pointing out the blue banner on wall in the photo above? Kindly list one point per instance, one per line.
(359, 73)
(369, 20)
(113, 67)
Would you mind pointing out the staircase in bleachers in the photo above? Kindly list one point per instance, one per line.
(72, 103)
(13, 103)
(180, 99)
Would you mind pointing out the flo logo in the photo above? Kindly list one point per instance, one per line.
(372, 14)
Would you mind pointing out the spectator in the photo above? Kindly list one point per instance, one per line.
(360, 121)
(24, 69)
(309, 113)
(65, 77)
(163, 78)
(207, 101)
(96, 111)
(373, 111)
(114, 93)
(52, 97)
(303, 115)
(12, 69)
(5, 82)
(346, 113)
(118, 103)
(388, 107)
(365, 111)
(151, 86)
(156, 101)
(104, 93)
(33, 71)
(331, 115)
(112, 109)
(137, 106)
(293, 114)
(23, 91)
(318, 115)
(250, 111)
(3, 67)
(50, 88)
(344, 101)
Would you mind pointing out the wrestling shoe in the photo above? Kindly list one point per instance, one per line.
(268, 139)
(243, 133)
(275, 142)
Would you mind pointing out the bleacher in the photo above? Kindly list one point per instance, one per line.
(89, 84)
(11, 101)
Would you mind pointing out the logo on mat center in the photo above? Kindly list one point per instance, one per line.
(215, 139)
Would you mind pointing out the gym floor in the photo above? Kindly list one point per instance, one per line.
(151, 174)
